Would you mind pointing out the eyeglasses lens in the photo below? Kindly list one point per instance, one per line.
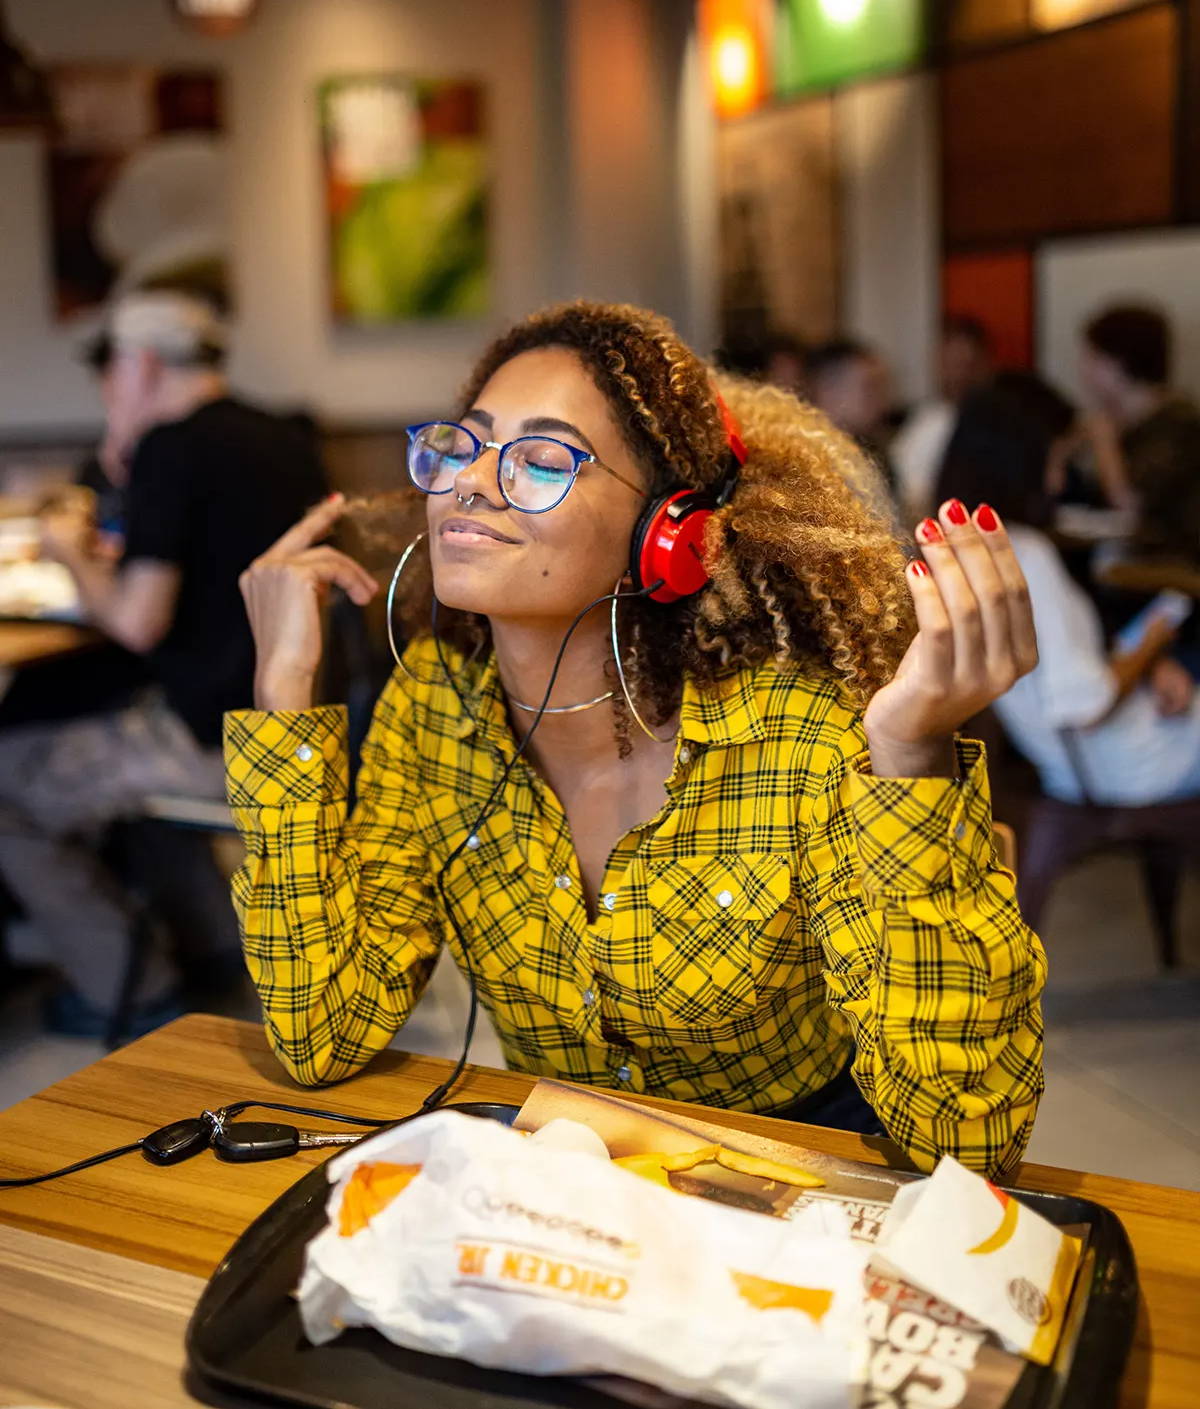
(436, 454)
(535, 473)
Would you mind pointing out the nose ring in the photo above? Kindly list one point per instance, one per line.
(468, 501)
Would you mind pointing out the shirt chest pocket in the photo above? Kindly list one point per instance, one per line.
(706, 913)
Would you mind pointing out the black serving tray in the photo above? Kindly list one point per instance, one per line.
(245, 1338)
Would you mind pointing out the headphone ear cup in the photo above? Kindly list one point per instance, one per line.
(647, 520)
(666, 551)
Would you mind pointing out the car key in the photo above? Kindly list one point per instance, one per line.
(245, 1141)
(171, 1144)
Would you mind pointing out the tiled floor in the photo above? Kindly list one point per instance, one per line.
(1122, 1051)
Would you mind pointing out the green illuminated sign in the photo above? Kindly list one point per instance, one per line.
(823, 42)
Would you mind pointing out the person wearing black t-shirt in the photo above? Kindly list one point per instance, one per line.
(213, 482)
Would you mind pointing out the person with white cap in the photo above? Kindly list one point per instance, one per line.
(212, 483)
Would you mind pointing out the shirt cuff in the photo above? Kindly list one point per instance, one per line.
(917, 835)
(279, 758)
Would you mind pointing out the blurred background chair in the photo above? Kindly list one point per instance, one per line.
(1165, 838)
(179, 856)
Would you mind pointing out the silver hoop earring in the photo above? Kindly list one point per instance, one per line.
(616, 650)
(468, 501)
(391, 631)
(391, 597)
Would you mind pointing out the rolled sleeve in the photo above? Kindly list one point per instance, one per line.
(285, 758)
(338, 916)
(928, 959)
(919, 835)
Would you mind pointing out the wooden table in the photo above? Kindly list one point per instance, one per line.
(184, 1218)
(28, 642)
(94, 1330)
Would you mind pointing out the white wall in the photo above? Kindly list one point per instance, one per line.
(696, 127)
(1077, 279)
(582, 113)
(887, 149)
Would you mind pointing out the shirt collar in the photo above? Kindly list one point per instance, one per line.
(722, 714)
(485, 711)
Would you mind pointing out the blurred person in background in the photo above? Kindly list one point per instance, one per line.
(777, 359)
(784, 363)
(1144, 436)
(964, 363)
(66, 687)
(1118, 727)
(212, 482)
(849, 381)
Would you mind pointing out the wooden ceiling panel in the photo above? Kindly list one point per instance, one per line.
(1066, 134)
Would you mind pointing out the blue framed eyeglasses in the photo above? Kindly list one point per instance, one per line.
(534, 473)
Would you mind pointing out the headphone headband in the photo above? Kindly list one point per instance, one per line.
(733, 432)
(738, 454)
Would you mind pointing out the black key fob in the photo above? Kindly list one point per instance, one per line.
(247, 1140)
(170, 1144)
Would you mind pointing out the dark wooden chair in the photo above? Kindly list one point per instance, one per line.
(185, 883)
(1165, 837)
(1054, 836)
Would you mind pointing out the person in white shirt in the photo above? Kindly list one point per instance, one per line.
(964, 364)
(1119, 727)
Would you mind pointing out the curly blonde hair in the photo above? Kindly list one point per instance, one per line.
(805, 568)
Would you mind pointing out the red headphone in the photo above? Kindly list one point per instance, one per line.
(668, 539)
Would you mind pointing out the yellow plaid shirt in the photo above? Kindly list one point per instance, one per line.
(782, 907)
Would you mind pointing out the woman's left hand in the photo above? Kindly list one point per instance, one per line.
(975, 638)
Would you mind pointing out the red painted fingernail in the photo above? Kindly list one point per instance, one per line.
(985, 517)
(918, 568)
(929, 531)
(956, 512)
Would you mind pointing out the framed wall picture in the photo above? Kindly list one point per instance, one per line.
(137, 181)
(405, 167)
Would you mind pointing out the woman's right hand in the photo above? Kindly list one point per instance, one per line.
(284, 591)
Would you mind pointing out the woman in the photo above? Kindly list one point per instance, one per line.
(1118, 727)
(794, 872)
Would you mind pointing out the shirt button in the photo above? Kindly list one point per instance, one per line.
(472, 842)
(724, 900)
(304, 753)
(609, 901)
(960, 831)
(562, 882)
(623, 1073)
(685, 754)
(589, 997)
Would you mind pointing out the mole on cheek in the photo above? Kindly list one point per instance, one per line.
(545, 572)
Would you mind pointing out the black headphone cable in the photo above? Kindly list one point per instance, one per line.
(439, 1094)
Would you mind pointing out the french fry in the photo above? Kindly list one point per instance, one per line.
(677, 1164)
(657, 1167)
(767, 1169)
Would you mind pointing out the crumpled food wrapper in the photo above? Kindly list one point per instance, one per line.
(969, 1243)
(460, 1237)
